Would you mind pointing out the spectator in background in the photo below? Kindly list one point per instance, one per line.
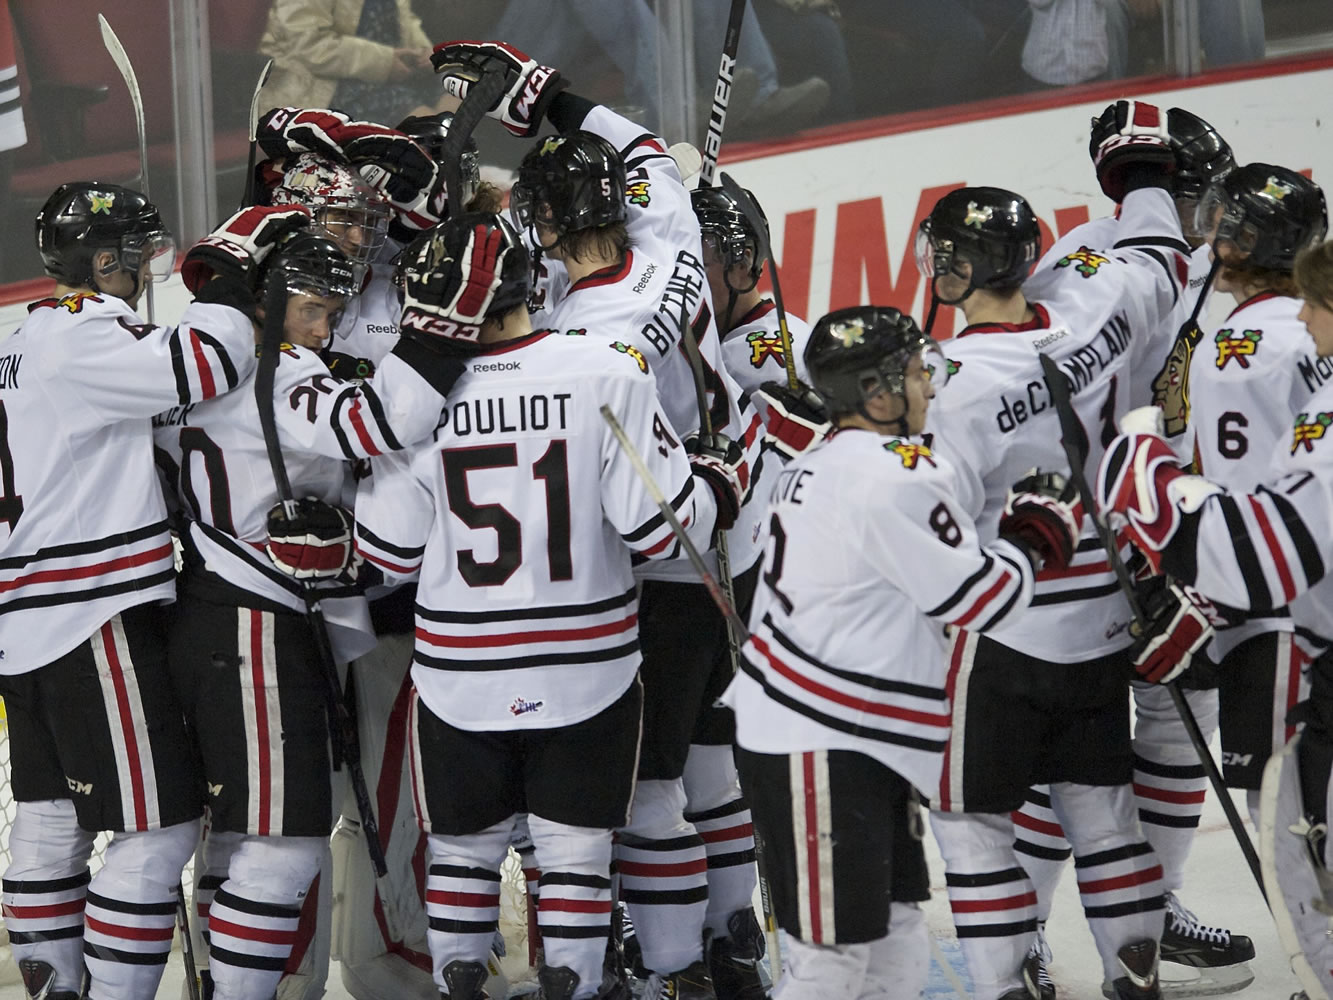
(1232, 31)
(12, 132)
(1075, 41)
(806, 37)
(368, 58)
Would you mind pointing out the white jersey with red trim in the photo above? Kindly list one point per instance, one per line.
(996, 420)
(752, 349)
(848, 643)
(642, 303)
(520, 518)
(369, 327)
(214, 455)
(85, 522)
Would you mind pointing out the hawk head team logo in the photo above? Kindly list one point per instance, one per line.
(1307, 431)
(1238, 344)
(1084, 261)
(634, 353)
(637, 193)
(765, 345)
(910, 453)
(1171, 387)
(850, 333)
(1275, 190)
(102, 201)
(978, 215)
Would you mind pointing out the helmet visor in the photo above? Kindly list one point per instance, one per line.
(930, 260)
(153, 254)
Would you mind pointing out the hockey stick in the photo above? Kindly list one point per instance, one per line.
(1188, 337)
(752, 216)
(248, 198)
(721, 94)
(479, 99)
(342, 728)
(122, 60)
(1072, 437)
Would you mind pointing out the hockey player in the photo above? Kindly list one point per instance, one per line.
(1260, 550)
(977, 245)
(836, 739)
(241, 650)
(1169, 783)
(604, 202)
(520, 520)
(96, 736)
(752, 344)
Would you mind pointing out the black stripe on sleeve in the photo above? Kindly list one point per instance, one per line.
(336, 422)
(228, 369)
(1180, 246)
(999, 616)
(1171, 277)
(657, 520)
(402, 552)
(178, 367)
(381, 421)
(1247, 559)
(1312, 564)
(953, 599)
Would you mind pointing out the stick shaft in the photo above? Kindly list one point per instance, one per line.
(722, 93)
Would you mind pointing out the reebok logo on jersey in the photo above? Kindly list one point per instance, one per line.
(637, 193)
(1084, 261)
(381, 328)
(644, 278)
(1307, 431)
(499, 366)
(911, 454)
(520, 706)
(764, 345)
(1238, 344)
(634, 353)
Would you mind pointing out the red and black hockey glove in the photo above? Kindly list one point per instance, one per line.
(1129, 135)
(529, 86)
(315, 544)
(1043, 511)
(796, 420)
(719, 462)
(1175, 630)
(238, 246)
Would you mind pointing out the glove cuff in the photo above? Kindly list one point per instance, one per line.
(228, 290)
(440, 370)
(567, 111)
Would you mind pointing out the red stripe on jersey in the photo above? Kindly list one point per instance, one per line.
(1279, 560)
(127, 933)
(991, 905)
(1120, 881)
(547, 904)
(139, 820)
(1165, 795)
(651, 144)
(359, 425)
(265, 935)
(730, 833)
(46, 910)
(1087, 569)
(950, 685)
(850, 701)
(1005, 577)
(1295, 663)
(265, 764)
(477, 900)
(812, 847)
(660, 546)
(391, 567)
(1050, 829)
(523, 638)
(206, 385)
(83, 572)
(661, 869)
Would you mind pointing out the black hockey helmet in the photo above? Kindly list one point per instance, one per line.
(1202, 155)
(992, 229)
(727, 231)
(570, 182)
(308, 262)
(469, 268)
(1268, 213)
(430, 131)
(84, 217)
(854, 354)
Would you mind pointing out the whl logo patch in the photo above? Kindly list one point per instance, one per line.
(1084, 261)
(1238, 344)
(520, 706)
(765, 345)
(1307, 431)
(911, 454)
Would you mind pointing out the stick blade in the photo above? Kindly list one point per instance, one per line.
(254, 99)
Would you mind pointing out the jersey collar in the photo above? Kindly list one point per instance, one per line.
(506, 346)
(1040, 321)
(761, 309)
(1253, 300)
(606, 276)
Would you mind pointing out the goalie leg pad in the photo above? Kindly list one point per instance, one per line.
(721, 817)
(575, 900)
(48, 874)
(463, 894)
(993, 901)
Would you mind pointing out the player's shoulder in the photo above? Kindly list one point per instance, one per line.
(296, 364)
(1259, 334)
(875, 460)
(588, 352)
(1311, 440)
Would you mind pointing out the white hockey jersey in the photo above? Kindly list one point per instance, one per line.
(369, 326)
(85, 522)
(521, 517)
(1101, 321)
(849, 648)
(215, 456)
(640, 306)
(752, 349)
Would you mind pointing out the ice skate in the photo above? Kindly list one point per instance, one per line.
(690, 983)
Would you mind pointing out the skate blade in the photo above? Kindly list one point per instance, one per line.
(1179, 981)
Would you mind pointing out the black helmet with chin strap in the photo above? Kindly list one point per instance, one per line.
(84, 218)
(993, 230)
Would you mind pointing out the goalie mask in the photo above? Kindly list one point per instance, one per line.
(993, 230)
(84, 218)
(1261, 215)
(856, 354)
(349, 210)
(569, 183)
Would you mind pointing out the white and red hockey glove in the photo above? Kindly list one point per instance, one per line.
(238, 246)
(1044, 512)
(1129, 134)
(796, 419)
(719, 462)
(1175, 629)
(1142, 491)
(529, 86)
(315, 544)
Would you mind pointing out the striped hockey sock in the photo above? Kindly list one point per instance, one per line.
(44, 918)
(463, 907)
(664, 885)
(728, 836)
(1169, 790)
(126, 942)
(1040, 845)
(249, 943)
